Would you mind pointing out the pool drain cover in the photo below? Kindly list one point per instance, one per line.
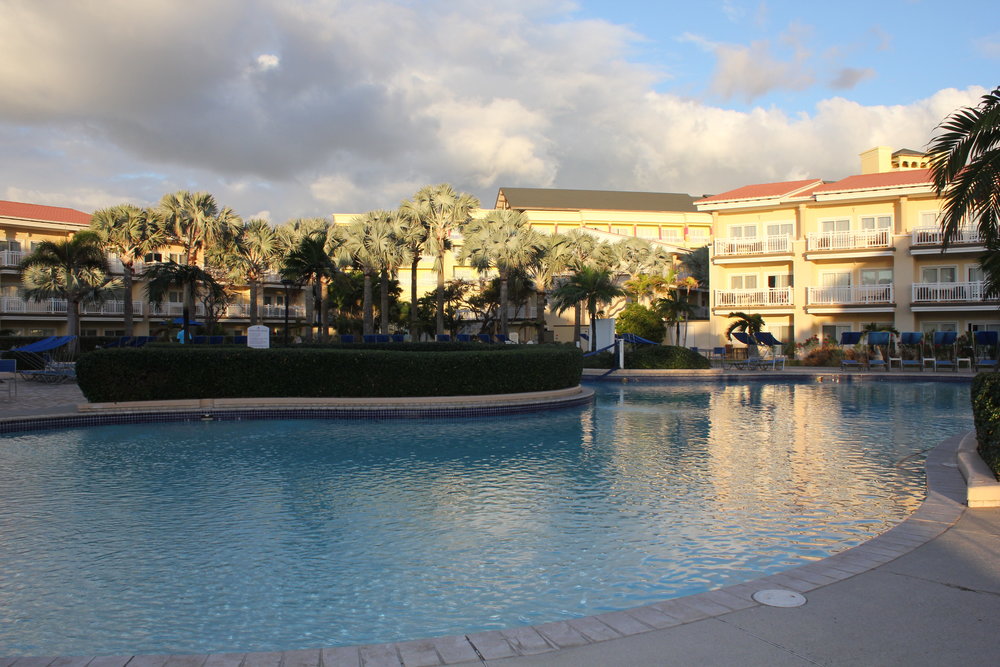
(779, 598)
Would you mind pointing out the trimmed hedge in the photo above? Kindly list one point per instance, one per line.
(669, 357)
(179, 372)
(986, 411)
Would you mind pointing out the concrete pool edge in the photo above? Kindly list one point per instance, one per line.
(941, 509)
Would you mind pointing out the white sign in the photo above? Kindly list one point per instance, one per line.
(259, 337)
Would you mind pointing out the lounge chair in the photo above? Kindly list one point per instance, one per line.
(8, 376)
(398, 338)
(239, 340)
(985, 350)
(775, 358)
(753, 360)
(877, 355)
(346, 338)
(463, 338)
(848, 340)
(199, 340)
(503, 339)
(909, 351)
(943, 351)
(382, 338)
(215, 340)
(369, 338)
(485, 338)
(443, 338)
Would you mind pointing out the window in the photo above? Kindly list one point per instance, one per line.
(836, 279)
(743, 281)
(779, 280)
(654, 232)
(13, 246)
(177, 258)
(743, 231)
(624, 231)
(938, 274)
(40, 332)
(976, 274)
(88, 332)
(781, 229)
(782, 332)
(841, 225)
(929, 219)
(114, 332)
(876, 222)
(175, 296)
(697, 233)
(929, 327)
(150, 257)
(876, 276)
(834, 330)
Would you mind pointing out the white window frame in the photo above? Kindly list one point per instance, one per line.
(743, 229)
(790, 280)
(937, 270)
(743, 280)
(878, 280)
(836, 224)
(825, 274)
(875, 222)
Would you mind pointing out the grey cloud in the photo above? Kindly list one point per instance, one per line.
(849, 77)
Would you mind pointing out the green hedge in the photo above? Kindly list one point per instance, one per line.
(652, 356)
(986, 411)
(178, 372)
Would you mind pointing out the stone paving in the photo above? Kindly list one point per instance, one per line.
(925, 592)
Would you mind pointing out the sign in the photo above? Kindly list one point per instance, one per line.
(259, 337)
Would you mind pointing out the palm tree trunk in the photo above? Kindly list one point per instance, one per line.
(127, 314)
(413, 297)
(504, 324)
(439, 316)
(324, 312)
(592, 313)
(187, 308)
(309, 301)
(577, 322)
(540, 305)
(384, 303)
(254, 293)
(73, 325)
(366, 304)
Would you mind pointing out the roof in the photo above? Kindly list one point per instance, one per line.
(908, 151)
(600, 200)
(13, 209)
(885, 179)
(764, 191)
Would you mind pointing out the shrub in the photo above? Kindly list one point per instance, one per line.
(986, 412)
(637, 319)
(178, 372)
(651, 357)
(823, 356)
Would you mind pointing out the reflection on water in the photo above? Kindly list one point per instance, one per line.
(295, 534)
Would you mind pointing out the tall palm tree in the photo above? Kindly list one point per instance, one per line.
(965, 163)
(372, 242)
(75, 269)
(593, 287)
(502, 240)
(645, 287)
(552, 260)
(250, 253)
(413, 232)
(312, 261)
(674, 310)
(580, 249)
(131, 233)
(191, 278)
(442, 210)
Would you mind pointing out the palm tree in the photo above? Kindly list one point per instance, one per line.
(503, 240)
(580, 250)
(550, 262)
(746, 323)
(250, 253)
(372, 242)
(674, 310)
(192, 279)
(131, 233)
(442, 209)
(75, 269)
(413, 235)
(311, 261)
(965, 163)
(645, 286)
(593, 287)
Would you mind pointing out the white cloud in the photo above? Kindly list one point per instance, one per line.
(266, 61)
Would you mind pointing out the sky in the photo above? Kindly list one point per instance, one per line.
(302, 108)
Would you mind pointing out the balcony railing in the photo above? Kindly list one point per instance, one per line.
(111, 308)
(779, 243)
(934, 236)
(849, 240)
(949, 292)
(853, 295)
(13, 304)
(11, 258)
(740, 298)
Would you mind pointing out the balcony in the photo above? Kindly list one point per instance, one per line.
(855, 295)
(17, 305)
(111, 308)
(930, 239)
(768, 245)
(972, 292)
(9, 259)
(744, 298)
(865, 239)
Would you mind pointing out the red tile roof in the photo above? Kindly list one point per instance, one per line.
(763, 191)
(13, 209)
(883, 180)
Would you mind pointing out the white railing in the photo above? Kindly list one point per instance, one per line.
(171, 309)
(779, 243)
(739, 298)
(111, 308)
(13, 304)
(273, 311)
(857, 294)
(11, 257)
(942, 292)
(934, 236)
(849, 240)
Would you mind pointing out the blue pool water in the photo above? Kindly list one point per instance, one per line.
(204, 537)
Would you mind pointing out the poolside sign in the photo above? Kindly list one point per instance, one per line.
(259, 337)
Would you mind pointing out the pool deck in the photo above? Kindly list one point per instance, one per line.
(926, 592)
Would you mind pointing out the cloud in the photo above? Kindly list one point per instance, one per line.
(303, 109)
(849, 77)
(988, 47)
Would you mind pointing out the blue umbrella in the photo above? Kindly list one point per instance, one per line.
(180, 320)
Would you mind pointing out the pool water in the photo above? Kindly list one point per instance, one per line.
(269, 535)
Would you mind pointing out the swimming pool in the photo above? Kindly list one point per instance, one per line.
(205, 537)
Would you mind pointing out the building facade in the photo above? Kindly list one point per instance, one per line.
(820, 258)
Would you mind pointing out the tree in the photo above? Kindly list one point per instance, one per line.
(501, 240)
(413, 231)
(580, 250)
(372, 242)
(130, 233)
(965, 164)
(746, 323)
(675, 310)
(442, 209)
(550, 262)
(641, 321)
(593, 287)
(190, 278)
(75, 269)
(248, 255)
(309, 261)
(645, 286)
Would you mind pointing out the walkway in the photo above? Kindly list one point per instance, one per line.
(925, 593)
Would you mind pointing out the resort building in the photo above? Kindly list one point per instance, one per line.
(820, 258)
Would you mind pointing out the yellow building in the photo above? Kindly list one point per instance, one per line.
(817, 257)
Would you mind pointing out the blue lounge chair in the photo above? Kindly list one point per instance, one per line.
(139, 341)
(773, 345)
(382, 338)
(485, 338)
(346, 338)
(878, 349)
(369, 338)
(909, 351)
(215, 340)
(122, 341)
(398, 338)
(240, 340)
(443, 338)
(463, 338)
(753, 360)
(985, 350)
(849, 339)
(503, 339)
(944, 350)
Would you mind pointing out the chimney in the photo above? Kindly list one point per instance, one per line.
(876, 160)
